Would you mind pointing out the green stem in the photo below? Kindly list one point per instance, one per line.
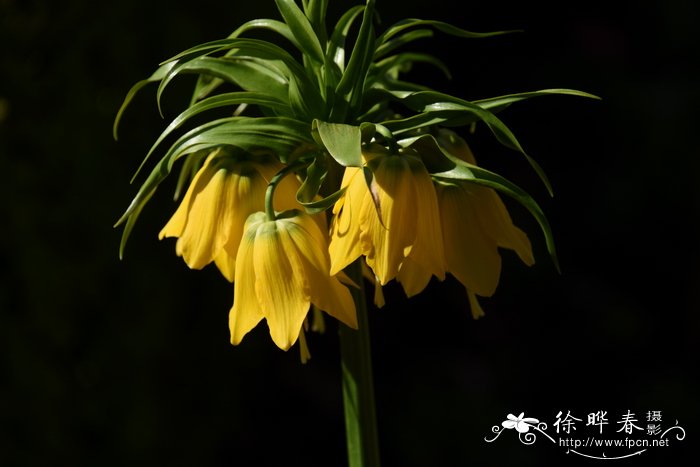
(272, 185)
(358, 387)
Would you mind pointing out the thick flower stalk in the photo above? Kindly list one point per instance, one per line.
(282, 267)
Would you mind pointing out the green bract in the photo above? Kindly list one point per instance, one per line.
(317, 104)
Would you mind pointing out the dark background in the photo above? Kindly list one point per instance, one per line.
(107, 363)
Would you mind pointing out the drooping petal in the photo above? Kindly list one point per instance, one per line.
(281, 284)
(413, 277)
(326, 292)
(344, 246)
(176, 224)
(473, 256)
(428, 250)
(246, 312)
(495, 220)
(224, 192)
(387, 241)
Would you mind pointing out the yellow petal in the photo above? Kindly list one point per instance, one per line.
(176, 224)
(326, 292)
(226, 264)
(477, 311)
(280, 282)
(246, 312)
(413, 277)
(472, 255)
(497, 222)
(388, 241)
(427, 251)
(344, 246)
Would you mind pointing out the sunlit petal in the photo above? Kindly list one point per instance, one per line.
(387, 241)
(344, 246)
(246, 312)
(473, 256)
(280, 282)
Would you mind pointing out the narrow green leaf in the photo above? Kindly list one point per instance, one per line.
(254, 75)
(402, 63)
(440, 26)
(316, 12)
(315, 174)
(437, 105)
(495, 104)
(335, 50)
(444, 165)
(271, 25)
(278, 135)
(221, 100)
(352, 83)
(301, 28)
(158, 75)
(131, 219)
(320, 205)
(389, 46)
(343, 142)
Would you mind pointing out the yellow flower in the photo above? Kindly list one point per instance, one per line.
(224, 192)
(392, 220)
(282, 267)
(475, 223)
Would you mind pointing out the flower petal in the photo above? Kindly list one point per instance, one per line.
(280, 282)
(413, 277)
(344, 246)
(496, 221)
(246, 312)
(388, 241)
(326, 292)
(428, 250)
(473, 258)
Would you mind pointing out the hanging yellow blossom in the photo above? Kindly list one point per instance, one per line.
(282, 267)
(475, 223)
(392, 219)
(224, 192)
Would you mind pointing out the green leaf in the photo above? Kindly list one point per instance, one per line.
(352, 83)
(444, 165)
(254, 75)
(278, 135)
(316, 12)
(301, 28)
(335, 51)
(389, 46)
(221, 100)
(438, 105)
(498, 103)
(315, 174)
(343, 142)
(320, 205)
(158, 75)
(403, 62)
(440, 26)
(132, 218)
(271, 25)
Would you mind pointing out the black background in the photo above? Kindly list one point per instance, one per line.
(128, 363)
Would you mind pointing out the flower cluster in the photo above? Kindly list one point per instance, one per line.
(320, 136)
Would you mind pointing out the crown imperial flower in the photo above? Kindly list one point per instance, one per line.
(282, 267)
(388, 219)
(223, 193)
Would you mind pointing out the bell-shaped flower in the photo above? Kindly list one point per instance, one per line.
(282, 267)
(475, 223)
(223, 193)
(388, 213)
